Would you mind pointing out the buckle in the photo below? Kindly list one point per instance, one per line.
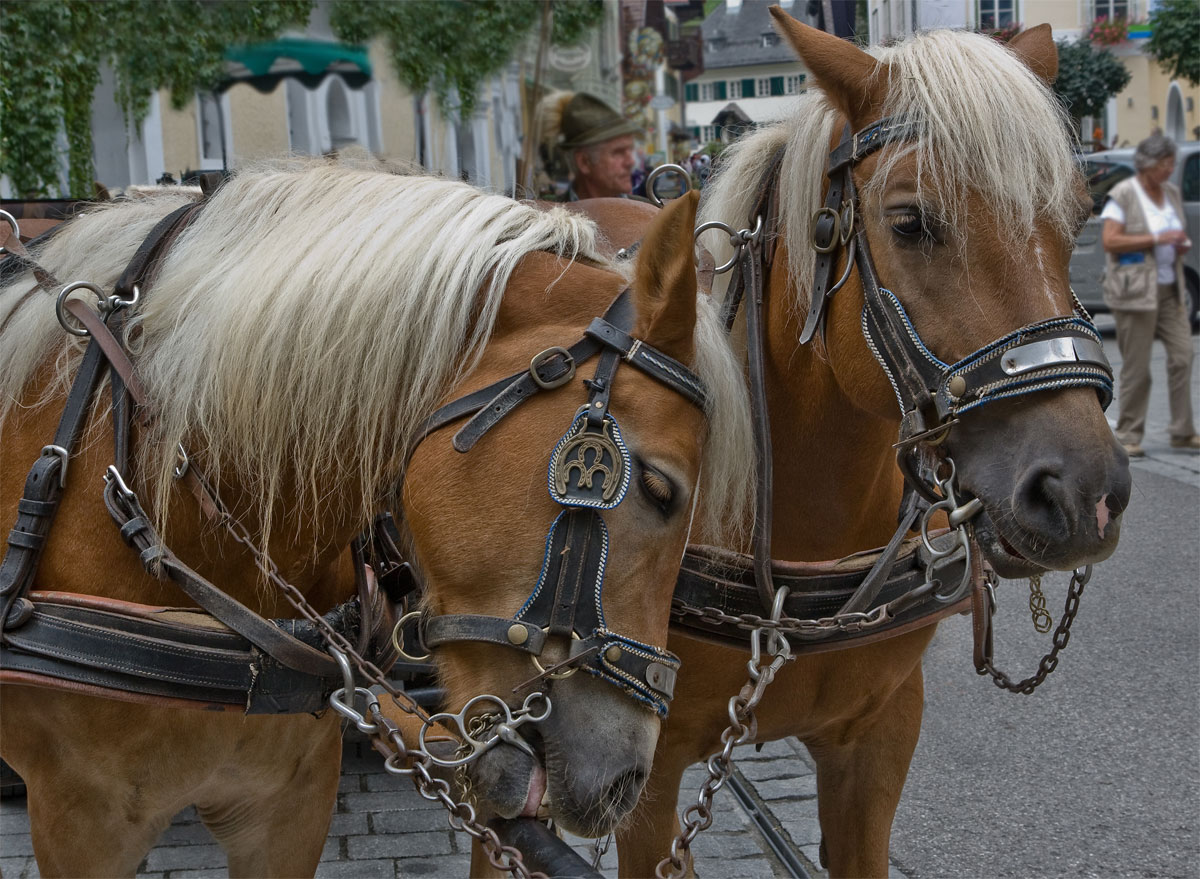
(545, 357)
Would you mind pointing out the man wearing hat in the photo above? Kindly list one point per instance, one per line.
(598, 144)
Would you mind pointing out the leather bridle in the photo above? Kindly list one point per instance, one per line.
(589, 472)
(1052, 354)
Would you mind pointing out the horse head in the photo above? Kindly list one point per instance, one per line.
(967, 205)
(597, 587)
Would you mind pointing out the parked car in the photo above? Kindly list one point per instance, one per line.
(1103, 171)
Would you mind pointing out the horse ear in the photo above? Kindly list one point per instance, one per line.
(850, 77)
(665, 280)
(1036, 48)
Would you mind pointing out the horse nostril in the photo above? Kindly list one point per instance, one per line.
(1041, 503)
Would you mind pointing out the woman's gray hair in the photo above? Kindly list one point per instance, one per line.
(1153, 150)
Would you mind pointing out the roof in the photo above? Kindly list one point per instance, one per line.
(733, 37)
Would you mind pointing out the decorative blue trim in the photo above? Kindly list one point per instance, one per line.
(545, 566)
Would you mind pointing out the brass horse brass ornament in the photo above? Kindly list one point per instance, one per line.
(590, 467)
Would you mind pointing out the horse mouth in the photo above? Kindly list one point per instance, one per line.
(1007, 554)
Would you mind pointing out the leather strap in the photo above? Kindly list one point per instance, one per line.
(169, 653)
(43, 490)
(161, 563)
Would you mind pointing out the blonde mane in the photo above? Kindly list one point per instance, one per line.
(988, 125)
(308, 321)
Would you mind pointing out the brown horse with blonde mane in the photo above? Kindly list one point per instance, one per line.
(294, 340)
(967, 203)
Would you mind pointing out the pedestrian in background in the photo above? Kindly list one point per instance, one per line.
(1144, 242)
(596, 141)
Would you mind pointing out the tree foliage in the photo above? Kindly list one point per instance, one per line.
(52, 52)
(1087, 77)
(451, 46)
(1175, 39)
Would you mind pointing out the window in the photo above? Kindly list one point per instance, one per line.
(776, 86)
(769, 39)
(1191, 178)
(706, 91)
(1110, 9)
(764, 86)
(997, 14)
(691, 92)
(212, 123)
(735, 89)
(747, 88)
(719, 91)
(710, 133)
(795, 84)
(1101, 177)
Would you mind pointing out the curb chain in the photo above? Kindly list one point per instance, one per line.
(1062, 635)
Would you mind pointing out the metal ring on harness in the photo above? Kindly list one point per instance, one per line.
(60, 305)
(398, 639)
(557, 675)
(737, 240)
(544, 357)
(662, 169)
(12, 221)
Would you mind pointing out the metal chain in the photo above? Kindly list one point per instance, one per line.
(462, 815)
(741, 730)
(384, 734)
(1079, 579)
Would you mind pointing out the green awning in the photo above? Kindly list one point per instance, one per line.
(264, 65)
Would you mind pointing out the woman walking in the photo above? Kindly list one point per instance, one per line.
(1144, 241)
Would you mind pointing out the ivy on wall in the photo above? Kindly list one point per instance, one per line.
(452, 46)
(52, 51)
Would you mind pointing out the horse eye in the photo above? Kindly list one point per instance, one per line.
(657, 486)
(908, 225)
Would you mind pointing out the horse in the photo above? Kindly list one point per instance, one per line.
(967, 203)
(301, 344)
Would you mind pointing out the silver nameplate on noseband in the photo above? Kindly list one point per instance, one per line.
(590, 467)
(1048, 352)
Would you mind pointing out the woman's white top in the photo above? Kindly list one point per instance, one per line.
(1158, 220)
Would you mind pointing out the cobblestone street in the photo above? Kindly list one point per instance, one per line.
(383, 828)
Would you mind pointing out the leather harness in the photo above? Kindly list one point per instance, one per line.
(227, 657)
(885, 592)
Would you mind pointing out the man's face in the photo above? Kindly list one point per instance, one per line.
(606, 169)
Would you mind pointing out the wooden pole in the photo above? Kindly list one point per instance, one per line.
(529, 147)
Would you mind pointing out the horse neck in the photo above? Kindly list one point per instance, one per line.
(836, 485)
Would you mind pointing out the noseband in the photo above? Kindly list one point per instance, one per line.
(589, 472)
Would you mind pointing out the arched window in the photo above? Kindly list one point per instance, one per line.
(1175, 127)
(337, 113)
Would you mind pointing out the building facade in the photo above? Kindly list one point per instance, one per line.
(1152, 100)
(751, 75)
